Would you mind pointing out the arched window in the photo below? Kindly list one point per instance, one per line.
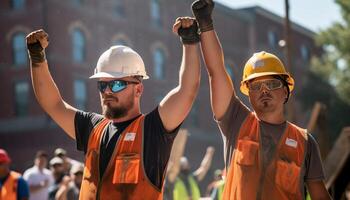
(18, 4)
(78, 41)
(119, 10)
(80, 94)
(155, 12)
(19, 49)
(159, 62)
(21, 98)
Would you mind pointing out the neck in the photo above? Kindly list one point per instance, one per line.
(131, 114)
(272, 118)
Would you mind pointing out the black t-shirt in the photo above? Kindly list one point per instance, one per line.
(157, 141)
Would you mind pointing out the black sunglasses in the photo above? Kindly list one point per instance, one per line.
(114, 85)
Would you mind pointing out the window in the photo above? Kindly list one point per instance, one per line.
(305, 52)
(18, 4)
(78, 41)
(155, 12)
(272, 38)
(229, 70)
(120, 42)
(119, 9)
(19, 49)
(21, 98)
(77, 2)
(80, 94)
(159, 62)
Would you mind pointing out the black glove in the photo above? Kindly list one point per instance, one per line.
(202, 10)
(189, 35)
(36, 52)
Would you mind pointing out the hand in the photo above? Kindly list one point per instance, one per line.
(187, 29)
(37, 41)
(202, 10)
(210, 150)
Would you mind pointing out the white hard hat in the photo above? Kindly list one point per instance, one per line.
(119, 61)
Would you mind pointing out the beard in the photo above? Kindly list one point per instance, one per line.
(114, 112)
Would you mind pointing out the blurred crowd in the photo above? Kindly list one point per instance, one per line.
(56, 177)
(59, 177)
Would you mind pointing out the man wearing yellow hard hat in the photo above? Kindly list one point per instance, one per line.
(126, 151)
(266, 156)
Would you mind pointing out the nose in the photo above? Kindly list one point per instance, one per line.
(264, 88)
(108, 90)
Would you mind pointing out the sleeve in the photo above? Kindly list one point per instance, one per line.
(313, 162)
(84, 122)
(230, 124)
(157, 147)
(22, 189)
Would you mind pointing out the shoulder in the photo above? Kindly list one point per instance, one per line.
(94, 118)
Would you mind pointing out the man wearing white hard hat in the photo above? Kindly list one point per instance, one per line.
(126, 152)
(266, 156)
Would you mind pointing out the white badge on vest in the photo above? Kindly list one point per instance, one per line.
(130, 136)
(291, 143)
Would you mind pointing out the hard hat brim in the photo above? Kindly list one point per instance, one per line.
(114, 75)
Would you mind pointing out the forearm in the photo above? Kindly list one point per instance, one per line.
(212, 53)
(189, 76)
(45, 89)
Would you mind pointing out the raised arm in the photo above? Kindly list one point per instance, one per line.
(45, 89)
(178, 102)
(221, 87)
(205, 164)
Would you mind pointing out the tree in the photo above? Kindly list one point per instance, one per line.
(334, 65)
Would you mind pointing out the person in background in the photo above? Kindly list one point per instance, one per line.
(57, 170)
(186, 183)
(216, 188)
(68, 162)
(12, 184)
(38, 177)
(70, 188)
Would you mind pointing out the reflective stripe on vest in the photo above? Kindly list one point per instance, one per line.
(180, 191)
(281, 180)
(124, 177)
(9, 189)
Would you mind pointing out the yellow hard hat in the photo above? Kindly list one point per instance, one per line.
(263, 64)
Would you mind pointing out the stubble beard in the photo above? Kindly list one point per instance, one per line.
(114, 112)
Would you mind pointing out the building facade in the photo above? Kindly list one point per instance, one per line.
(80, 30)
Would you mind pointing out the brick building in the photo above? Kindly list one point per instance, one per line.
(80, 30)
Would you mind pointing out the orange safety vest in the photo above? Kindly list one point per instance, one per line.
(281, 179)
(125, 176)
(9, 189)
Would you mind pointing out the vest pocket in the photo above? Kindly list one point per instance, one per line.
(287, 176)
(246, 152)
(126, 169)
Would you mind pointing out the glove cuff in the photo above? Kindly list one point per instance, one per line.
(36, 53)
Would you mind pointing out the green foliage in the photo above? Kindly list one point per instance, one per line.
(334, 65)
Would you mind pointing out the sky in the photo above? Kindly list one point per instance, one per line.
(312, 14)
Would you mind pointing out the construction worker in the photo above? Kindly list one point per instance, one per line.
(186, 182)
(126, 152)
(216, 188)
(266, 156)
(12, 185)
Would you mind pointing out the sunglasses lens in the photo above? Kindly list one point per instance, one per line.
(102, 86)
(269, 84)
(273, 84)
(117, 85)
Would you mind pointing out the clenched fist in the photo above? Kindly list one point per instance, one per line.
(202, 10)
(37, 41)
(187, 29)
